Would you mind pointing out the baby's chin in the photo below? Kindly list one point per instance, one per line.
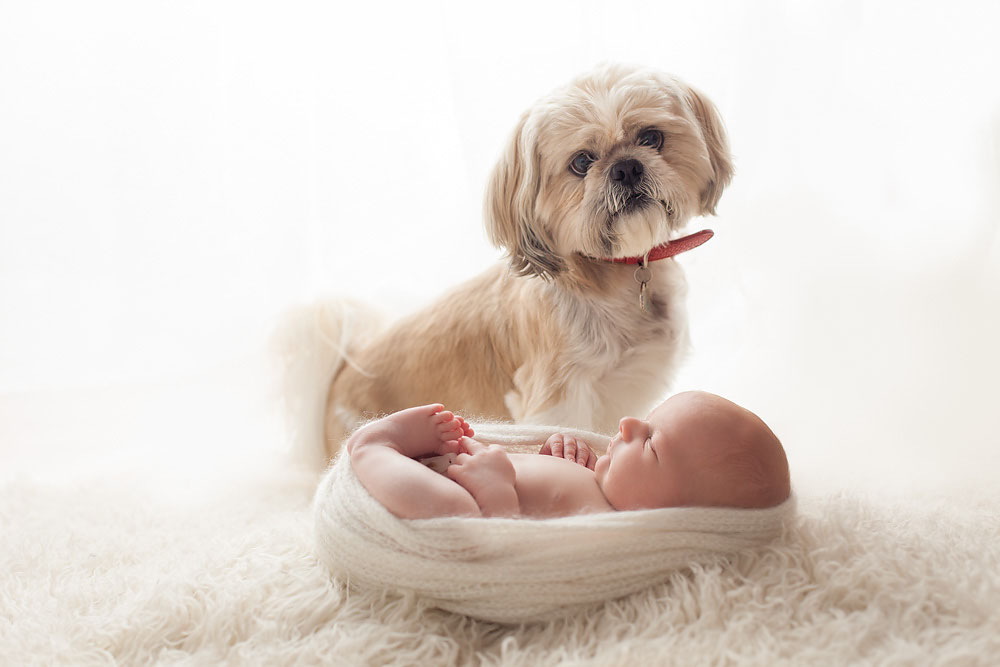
(601, 468)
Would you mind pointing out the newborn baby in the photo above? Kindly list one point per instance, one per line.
(694, 449)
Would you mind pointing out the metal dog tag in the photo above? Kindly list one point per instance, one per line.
(642, 275)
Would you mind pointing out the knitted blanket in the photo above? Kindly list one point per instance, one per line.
(522, 570)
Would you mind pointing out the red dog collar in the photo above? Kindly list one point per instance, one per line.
(668, 249)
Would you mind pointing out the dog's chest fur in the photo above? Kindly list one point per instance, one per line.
(617, 359)
(579, 353)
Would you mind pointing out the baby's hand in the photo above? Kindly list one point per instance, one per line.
(569, 448)
(487, 473)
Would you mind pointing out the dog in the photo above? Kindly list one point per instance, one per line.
(606, 168)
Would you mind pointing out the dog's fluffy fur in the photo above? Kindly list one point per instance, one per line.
(557, 335)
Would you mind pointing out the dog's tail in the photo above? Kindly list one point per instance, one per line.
(311, 345)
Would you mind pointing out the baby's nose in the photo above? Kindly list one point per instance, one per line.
(627, 426)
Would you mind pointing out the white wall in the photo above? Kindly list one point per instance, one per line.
(173, 175)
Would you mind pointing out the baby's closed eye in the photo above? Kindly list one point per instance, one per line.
(649, 445)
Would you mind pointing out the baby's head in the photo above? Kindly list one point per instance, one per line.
(694, 450)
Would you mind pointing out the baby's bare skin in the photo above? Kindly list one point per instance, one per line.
(383, 455)
(484, 480)
(543, 486)
(548, 486)
(694, 449)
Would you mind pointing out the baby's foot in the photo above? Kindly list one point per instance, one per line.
(428, 429)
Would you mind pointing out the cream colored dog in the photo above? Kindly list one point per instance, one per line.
(609, 166)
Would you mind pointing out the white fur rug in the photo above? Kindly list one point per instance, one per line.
(103, 573)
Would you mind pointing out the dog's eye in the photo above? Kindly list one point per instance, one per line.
(581, 163)
(652, 138)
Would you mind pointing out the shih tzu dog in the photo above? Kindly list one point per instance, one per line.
(581, 325)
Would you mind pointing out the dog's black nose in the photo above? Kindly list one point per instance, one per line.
(627, 172)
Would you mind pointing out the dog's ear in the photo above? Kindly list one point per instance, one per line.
(714, 133)
(511, 221)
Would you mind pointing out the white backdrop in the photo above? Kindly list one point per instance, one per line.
(174, 175)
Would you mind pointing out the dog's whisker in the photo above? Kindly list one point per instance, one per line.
(668, 208)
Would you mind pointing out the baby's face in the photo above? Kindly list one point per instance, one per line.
(646, 463)
(683, 454)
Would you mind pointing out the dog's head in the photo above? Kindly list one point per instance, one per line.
(607, 166)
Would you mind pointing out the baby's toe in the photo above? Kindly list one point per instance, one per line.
(466, 429)
(450, 430)
(443, 417)
(451, 434)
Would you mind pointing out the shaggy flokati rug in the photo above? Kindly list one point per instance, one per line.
(103, 574)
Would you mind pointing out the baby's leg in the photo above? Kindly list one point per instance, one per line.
(382, 454)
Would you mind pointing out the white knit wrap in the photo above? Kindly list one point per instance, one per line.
(521, 570)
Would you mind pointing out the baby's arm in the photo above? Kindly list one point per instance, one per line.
(488, 475)
(382, 457)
